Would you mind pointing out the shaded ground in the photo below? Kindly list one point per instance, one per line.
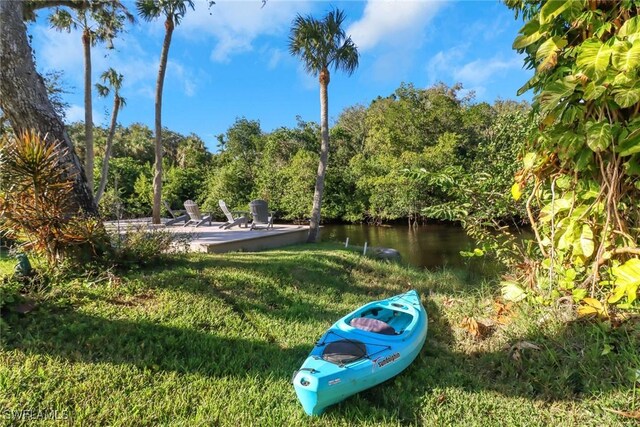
(214, 339)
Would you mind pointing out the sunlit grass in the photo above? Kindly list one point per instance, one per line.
(7, 263)
(214, 339)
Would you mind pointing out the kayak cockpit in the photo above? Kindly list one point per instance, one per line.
(386, 319)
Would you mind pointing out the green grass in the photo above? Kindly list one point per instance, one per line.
(6, 263)
(214, 339)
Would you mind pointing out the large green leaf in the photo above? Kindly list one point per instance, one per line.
(627, 280)
(593, 91)
(626, 56)
(625, 98)
(559, 205)
(586, 241)
(622, 80)
(633, 165)
(529, 160)
(529, 84)
(553, 8)
(598, 136)
(512, 292)
(529, 34)
(567, 238)
(630, 29)
(547, 53)
(556, 92)
(583, 160)
(630, 145)
(593, 56)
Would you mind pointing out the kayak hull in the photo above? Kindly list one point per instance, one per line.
(323, 381)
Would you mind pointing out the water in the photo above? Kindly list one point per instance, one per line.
(431, 246)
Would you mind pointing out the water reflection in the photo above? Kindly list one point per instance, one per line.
(431, 246)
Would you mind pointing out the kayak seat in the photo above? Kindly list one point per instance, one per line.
(342, 352)
(372, 325)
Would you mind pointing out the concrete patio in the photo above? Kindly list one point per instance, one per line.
(213, 239)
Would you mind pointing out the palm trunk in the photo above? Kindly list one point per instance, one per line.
(107, 150)
(88, 109)
(314, 225)
(157, 178)
(24, 100)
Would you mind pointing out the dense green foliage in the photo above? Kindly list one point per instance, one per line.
(583, 167)
(99, 349)
(468, 150)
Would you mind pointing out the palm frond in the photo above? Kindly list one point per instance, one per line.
(323, 43)
(62, 20)
(148, 9)
(103, 90)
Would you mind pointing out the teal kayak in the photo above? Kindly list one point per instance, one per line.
(364, 348)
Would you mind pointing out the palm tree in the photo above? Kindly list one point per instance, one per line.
(99, 21)
(322, 45)
(173, 11)
(114, 80)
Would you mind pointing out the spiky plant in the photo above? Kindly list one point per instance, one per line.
(36, 197)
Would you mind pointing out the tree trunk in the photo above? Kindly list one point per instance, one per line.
(314, 225)
(88, 109)
(157, 178)
(24, 100)
(107, 150)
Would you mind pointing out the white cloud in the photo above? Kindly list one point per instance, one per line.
(63, 51)
(184, 77)
(482, 71)
(394, 23)
(442, 65)
(275, 57)
(74, 113)
(59, 50)
(237, 24)
(450, 66)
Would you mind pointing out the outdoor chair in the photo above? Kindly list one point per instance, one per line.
(233, 217)
(194, 214)
(262, 217)
(176, 216)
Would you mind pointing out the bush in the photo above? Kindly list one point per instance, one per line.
(139, 247)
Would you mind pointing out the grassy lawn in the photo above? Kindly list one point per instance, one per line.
(214, 339)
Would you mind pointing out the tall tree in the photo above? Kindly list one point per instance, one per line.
(23, 96)
(322, 44)
(173, 12)
(114, 80)
(99, 21)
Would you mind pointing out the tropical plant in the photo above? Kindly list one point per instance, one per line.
(173, 11)
(98, 21)
(23, 96)
(322, 44)
(583, 167)
(36, 199)
(114, 80)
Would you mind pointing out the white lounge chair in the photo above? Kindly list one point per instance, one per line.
(233, 218)
(194, 214)
(176, 217)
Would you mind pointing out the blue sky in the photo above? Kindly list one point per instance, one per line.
(232, 60)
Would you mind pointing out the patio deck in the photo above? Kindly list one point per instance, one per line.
(213, 239)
